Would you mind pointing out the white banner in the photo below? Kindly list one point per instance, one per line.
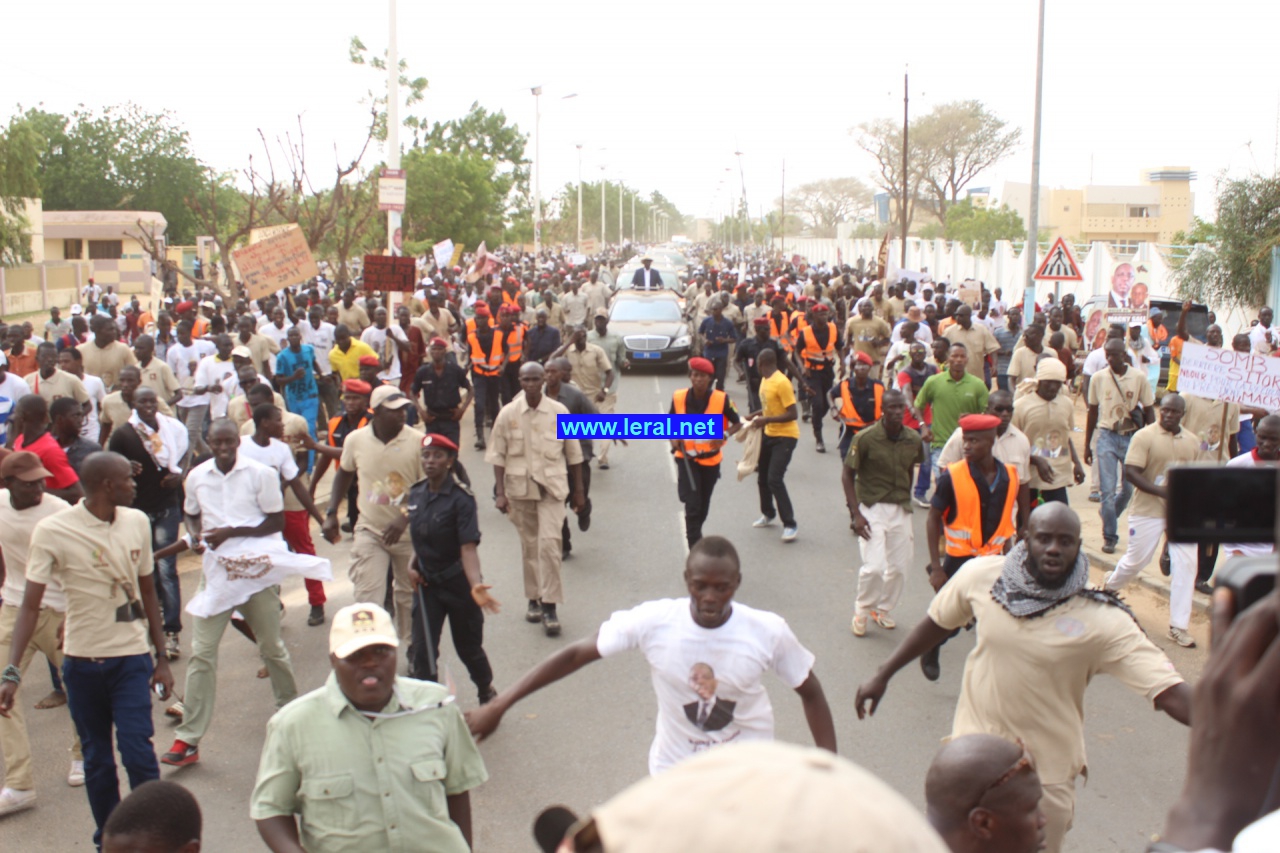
(442, 252)
(1236, 377)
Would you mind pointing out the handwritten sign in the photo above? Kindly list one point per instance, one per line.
(1235, 377)
(389, 274)
(391, 190)
(442, 252)
(277, 262)
(969, 295)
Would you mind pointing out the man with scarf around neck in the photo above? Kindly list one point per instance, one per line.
(1041, 636)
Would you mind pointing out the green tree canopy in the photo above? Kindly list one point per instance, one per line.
(978, 228)
(1232, 265)
(487, 135)
(119, 158)
(451, 196)
(19, 179)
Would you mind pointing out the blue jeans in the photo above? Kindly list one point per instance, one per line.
(1112, 447)
(1002, 382)
(309, 410)
(926, 472)
(164, 532)
(102, 692)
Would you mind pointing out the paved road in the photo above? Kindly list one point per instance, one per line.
(579, 742)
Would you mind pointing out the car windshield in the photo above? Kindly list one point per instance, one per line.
(645, 311)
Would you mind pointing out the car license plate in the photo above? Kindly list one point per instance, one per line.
(648, 355)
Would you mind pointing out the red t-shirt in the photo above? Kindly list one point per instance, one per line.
(54, 460)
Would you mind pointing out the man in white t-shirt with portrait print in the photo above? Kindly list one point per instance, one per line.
(707, 657)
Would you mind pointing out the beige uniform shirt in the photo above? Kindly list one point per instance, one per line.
(860, 333)
(1204, 418)
(1071, 341)
(355, 318)
(597, 297)
(1047, 425)
(115, 411)
(1155, 451)
(589, 368)
(98, 564)
(1022, 364)
(239, 411)
(1012, 448)
(159, 377)
(261, 349)
(60, 384)
(106, 364)
(385, 470)
(575, 308)
(1115, 396)
(1026, 678)
(524, 444)
(980, 343)
(431, 325)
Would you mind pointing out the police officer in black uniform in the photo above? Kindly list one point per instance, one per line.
(446, 569)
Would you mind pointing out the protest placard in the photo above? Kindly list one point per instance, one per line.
(389, 273)
(1235, 377)
(969, 295)
(278, 261)
(442, 252)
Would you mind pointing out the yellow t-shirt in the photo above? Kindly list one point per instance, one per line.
(347, 364)
(776, 395)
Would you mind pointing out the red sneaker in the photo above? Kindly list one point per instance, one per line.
(181, 754)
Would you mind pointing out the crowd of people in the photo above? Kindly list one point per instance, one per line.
(205, 423)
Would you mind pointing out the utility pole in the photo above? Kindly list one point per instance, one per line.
(633, 217)
(578, 245)
(621, 192)
(537, 168)
(1033, 217)
(902, 214)
(782, 226)
(604, 191)
(393, 123)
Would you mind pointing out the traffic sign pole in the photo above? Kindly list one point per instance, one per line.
(1033, 218)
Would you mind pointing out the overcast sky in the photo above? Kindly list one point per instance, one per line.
(668, 91)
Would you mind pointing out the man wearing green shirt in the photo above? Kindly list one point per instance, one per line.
(952, 395)
(877, 488)
(369, 761)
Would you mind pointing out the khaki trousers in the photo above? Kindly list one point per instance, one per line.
(1059, 805)
(368, 573)
(608, 407)
(13, 729)
(538, 523)
(262, 612)
(883, 557)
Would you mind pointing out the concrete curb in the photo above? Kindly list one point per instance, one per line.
(1200, 602)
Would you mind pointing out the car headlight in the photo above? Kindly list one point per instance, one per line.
(682, 341)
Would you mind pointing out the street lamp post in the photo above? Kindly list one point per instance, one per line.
(579, 243)
(393, 122)
(1033, 221)
(604, 191)
(622, 189)
(633, 217)
(537, 168)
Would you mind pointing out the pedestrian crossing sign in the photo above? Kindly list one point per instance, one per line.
(1059, 265)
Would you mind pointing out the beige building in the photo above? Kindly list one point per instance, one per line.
(1121, 216)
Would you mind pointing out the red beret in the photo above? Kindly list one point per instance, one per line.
(762, 321)
(184, 306)
(356, 386)
(863, 357)
(702, 365)
(482, 310)
(821, 308)
(438, 341)
(432, 439)
(509, 310)
(979, 423)
(370, 361)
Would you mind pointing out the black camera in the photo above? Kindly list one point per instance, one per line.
(1211, 504)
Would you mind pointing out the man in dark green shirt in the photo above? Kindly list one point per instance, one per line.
(877, 487)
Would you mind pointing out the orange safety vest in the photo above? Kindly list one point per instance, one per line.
(708, 452)
(513, 342)
(848, 413)
(963, 533)
(781, 332)
(511, 299)
(490, 364)
(813, 355)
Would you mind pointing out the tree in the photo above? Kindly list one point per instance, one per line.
(451, 196)
(19, 167)
(121, 158)
(960, 140)
(1236, 269)
(487, 135)
(413, 88)
(882, 139)
(978, 228)
(823, 204)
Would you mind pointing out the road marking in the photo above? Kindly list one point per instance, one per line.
(657, 389)
(680, 526)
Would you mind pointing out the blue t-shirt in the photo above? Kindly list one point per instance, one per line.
(287, 361)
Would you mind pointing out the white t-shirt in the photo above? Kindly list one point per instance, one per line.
(729, 660)
(275, 455)
(179, 358)
(321, 340)
(12, 389)
(92, 427)
(377, 338)
(1096, 361)
(223, 373)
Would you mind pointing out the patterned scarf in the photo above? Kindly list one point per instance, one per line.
(167, 445)
(1023, 596)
